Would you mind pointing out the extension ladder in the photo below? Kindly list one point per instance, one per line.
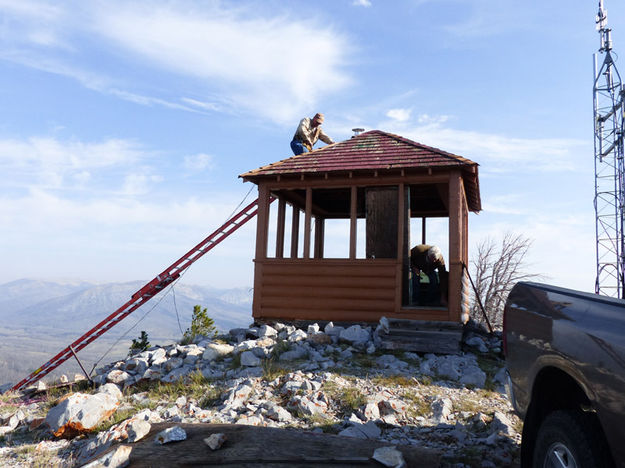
(146, 293)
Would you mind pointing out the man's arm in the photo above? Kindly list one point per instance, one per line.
(325, 138)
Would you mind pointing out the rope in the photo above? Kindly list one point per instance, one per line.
(176, 309)
(477, 296)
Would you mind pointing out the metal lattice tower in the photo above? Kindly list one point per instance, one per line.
(609, 171)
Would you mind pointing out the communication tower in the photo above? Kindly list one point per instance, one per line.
(609, 171)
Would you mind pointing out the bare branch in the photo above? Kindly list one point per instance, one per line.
(495, 271)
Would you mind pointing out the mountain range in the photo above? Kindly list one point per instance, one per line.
(39, 318)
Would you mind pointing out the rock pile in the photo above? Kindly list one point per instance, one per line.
(333, 379)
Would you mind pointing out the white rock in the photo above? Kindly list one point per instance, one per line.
(137, 365)
(80, 412)
(392, 406)
(501, 423)
(171, 434)
(299, 352)
(111, 389)
(473, 376)
(477, 342)
(297, 335)
(118, 377)
(266, 330)
(181, 401)
(441, 409)
(371, 411)
(249, 359)
(238, 395)
(332, 330)
(277, 413)
(214, 351)
(312, 329)
(215, 441)
(384, 325)
(137, 429)
(158, 354)
(355, 334)
(172, 363)
(119, 457)
(389, 456)
(177, 374)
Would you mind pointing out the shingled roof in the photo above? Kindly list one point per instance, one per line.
(374, 150)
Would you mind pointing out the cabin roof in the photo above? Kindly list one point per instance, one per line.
(374, 150)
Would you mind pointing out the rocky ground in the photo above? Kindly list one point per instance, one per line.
(333, 380)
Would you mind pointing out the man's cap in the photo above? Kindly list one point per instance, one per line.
(319, 117)
(434, 254)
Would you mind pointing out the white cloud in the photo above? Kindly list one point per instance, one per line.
(139, 184)
(400, 115)
(235, 56)
(249, 55)
(362, 3)
(52, 163)
(198, 162)
(502, 153)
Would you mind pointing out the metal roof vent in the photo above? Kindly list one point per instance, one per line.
(357, 131)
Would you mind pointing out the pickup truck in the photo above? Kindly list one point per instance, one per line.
(565, 363)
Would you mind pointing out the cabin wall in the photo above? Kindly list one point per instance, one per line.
(339, 290)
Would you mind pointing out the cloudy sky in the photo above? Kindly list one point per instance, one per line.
(125, 125)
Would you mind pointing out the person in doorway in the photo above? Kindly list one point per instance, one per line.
(308, 133)
(429, 260)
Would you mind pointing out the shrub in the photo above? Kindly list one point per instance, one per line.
(139, 344)
(201, 325)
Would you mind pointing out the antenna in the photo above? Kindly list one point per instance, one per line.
(609, 198)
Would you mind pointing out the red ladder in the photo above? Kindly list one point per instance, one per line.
(146, 293)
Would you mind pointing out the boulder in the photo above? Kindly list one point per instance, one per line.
(249, 359)
(214, 351)
(79, 413)
(355, 334)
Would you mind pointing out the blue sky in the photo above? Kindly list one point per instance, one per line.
(126, 124)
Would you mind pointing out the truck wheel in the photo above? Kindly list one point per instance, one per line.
(568, 439)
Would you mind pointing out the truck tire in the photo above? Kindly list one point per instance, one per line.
(569, 439)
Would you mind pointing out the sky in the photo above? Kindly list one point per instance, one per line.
(125, 125)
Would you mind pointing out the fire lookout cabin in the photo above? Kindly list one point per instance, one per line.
(336, 243)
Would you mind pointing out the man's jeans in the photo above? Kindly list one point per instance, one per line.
(298, 147)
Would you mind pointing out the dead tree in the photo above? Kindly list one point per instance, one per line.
(495, 271)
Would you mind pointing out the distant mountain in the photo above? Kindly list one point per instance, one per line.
(25, 292)
(39, 318)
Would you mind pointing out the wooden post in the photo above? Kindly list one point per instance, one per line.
(319, 236)
(294, 232)
(280, 228)
(262, 233)
(455, 245)
(307, 222)
(402, 293)
(353, 222)
(262, 226)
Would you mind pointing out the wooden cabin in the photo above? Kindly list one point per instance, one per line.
(377, 181)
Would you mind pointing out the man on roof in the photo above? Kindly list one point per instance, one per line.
(308, 133)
